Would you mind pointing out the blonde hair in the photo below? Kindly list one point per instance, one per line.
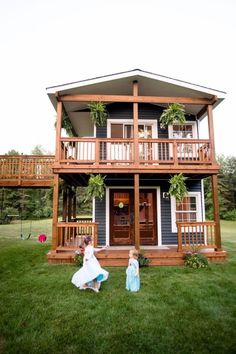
(134, 253)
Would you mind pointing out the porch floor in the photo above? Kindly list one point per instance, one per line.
(117, 256)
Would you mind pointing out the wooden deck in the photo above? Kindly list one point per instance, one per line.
(118, 256)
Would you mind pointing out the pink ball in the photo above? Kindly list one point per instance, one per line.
(42, 238)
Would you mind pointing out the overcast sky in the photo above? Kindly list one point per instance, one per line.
(51, 42)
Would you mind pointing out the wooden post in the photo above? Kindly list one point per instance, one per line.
(135, 124)
(70, 196)
(74, 205)
(211, 131)
(58, 131)
(216, 211)
(55, 211)
(136, 212)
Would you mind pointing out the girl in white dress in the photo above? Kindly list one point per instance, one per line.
(91, 274)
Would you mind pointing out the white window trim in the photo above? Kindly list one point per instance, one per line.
(194, 124)
(151, 122)
(173, 209)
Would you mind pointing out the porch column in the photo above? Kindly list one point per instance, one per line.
(135, 123)
(70, 197)
(64, 204)
(136, 211)
(216, 211)
(55, 210)
(211, 132)
(74, 204)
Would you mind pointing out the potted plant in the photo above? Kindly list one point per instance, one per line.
(178, 187)
(175, 112)
(98, 113)
(96, 187)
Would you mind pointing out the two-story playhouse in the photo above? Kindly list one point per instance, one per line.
(137, 157)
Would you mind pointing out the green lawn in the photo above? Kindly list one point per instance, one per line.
(178, 310)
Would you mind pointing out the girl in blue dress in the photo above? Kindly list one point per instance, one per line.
(132, 272)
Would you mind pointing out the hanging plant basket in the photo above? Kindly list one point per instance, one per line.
(66, 124)
(174, 113)
(178, 187)
(96, 187)
(98, 113)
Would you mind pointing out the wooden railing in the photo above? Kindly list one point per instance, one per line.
(96, 151)
(196, 234)
(71, 234)
(30, 167)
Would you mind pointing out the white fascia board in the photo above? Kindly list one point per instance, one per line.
(136, 72)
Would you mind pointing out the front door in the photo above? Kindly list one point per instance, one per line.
(122, 217)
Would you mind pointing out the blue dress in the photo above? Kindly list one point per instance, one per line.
(132, 276)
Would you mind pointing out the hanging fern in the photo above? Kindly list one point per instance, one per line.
(98, 113)
(66, 123)
(96, 187)
(175, 112)
(178, 188)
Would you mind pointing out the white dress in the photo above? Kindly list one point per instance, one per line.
(90, 270)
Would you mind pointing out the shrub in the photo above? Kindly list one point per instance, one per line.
(142, 260)
(230, 215)
(79, 257)
(196, 260)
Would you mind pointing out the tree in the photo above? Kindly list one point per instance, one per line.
(226, 189)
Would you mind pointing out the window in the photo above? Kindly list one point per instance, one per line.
(188, 210)
(183, 131)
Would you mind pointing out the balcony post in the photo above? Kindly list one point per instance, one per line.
(136, 212)
(211, 131)
(216, 212)
(58, 131)
(135, 123)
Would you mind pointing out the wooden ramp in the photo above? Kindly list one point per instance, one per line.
(118, 256)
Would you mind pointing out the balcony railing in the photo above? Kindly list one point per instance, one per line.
(70, 234)
(96, 151)
(26, 167)
(196, 234)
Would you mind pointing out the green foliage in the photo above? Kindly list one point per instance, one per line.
(66, 123)
(98, 113)
(96, 187)
(226, 189)
(196, 260)
(175, 112)
(230, 215)
(142, 260)
(79, 258)
(178, 188)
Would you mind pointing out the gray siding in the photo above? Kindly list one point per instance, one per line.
(168, 237)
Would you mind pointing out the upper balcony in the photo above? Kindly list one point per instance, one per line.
(110, 155)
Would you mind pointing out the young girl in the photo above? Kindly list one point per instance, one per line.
(91, 274)
(132, 272)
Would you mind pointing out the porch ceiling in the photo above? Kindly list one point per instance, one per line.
(127, 179)
(121, 84)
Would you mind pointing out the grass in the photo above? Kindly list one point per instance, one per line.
(178, 309)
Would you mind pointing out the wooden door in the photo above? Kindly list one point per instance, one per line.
(148, 217)
(122, 217)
